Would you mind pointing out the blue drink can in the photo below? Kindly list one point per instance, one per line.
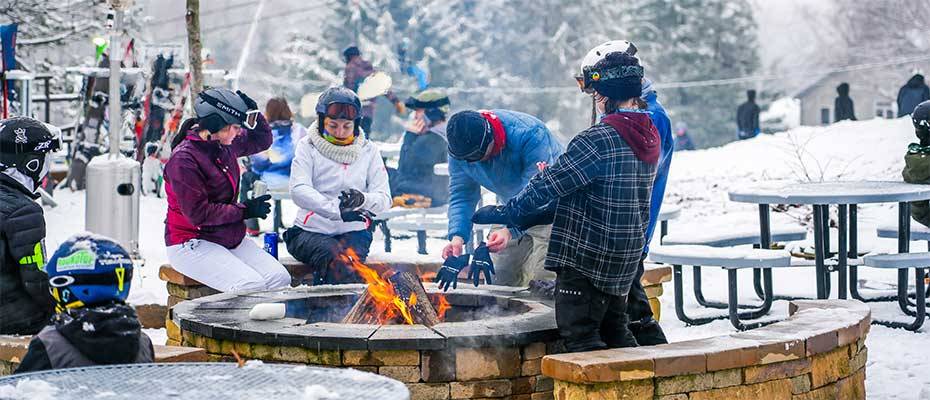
(271, 244)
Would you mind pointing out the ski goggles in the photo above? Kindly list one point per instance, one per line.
(249, 119)
(341, 111)
(118, 277)
(591, 75)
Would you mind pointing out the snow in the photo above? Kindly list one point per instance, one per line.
(29, 389)
(699, 182)
(318, 392)
(267, 311)
(723, 253)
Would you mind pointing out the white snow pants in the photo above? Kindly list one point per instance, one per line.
(246, 268)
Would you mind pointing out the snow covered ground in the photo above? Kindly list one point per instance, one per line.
(699, 183)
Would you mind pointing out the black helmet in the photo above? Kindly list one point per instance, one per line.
(350, 52)
(216, 108)
(921, 119)
(26, 144)
(329, 101)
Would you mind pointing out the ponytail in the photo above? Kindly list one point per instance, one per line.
(181, 134)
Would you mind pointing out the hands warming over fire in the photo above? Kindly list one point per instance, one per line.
(448, 274)
(349, 202)
(481, 262)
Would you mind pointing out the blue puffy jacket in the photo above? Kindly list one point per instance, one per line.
(274, 165)
(664, 126)
(528, 142)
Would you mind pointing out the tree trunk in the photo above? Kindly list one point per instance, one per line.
(194, 46)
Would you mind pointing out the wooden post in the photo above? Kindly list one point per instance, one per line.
(406, 285)
(194, 46)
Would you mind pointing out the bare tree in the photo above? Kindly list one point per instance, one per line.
(194, 46)
(879, 29)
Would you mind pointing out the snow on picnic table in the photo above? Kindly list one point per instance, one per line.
(698, 183)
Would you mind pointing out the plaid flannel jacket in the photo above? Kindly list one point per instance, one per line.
(603, 194)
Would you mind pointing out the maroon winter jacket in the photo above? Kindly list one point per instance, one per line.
(202, 183)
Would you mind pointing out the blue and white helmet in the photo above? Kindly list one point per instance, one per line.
(89, 270)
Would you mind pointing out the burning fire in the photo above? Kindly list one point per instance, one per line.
(389, 304)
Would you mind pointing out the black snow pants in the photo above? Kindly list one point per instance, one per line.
(587, 318)
(642, 322)
(321, 253)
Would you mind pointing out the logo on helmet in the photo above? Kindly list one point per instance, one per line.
(80, 260)
(43, 146)
(20, 135)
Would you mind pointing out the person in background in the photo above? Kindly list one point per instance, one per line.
(682, 138)
(747, 117)
(914, 92)
(357, 69)
(916, 160)
(26, 147)
(151, 171)
(273, 166)
(414, 183)
(499, 150)
(339, 182)
(602, 185)
(843, 108)
(90, 277)
(204, 229)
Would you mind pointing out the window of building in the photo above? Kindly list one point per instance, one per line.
(884, 109)
(825, 116)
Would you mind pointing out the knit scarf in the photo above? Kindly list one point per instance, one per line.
(346, 154)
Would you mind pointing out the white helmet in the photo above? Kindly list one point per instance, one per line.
(599, 52)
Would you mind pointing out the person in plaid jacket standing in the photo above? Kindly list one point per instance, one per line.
(602, 185)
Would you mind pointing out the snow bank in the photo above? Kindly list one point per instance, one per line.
(29, 389)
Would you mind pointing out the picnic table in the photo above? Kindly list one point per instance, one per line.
(213, 381)
(846, 195)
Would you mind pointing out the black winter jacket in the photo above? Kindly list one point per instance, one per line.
(102, 335)
(911, 94)
(418, 155)
(25, 303)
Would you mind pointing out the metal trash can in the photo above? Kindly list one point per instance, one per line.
(113, 187)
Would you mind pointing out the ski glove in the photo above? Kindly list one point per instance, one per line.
(358, 216)
(449, 273)
(351, 199)
(249, 103)
(481, 262)
(258, 207)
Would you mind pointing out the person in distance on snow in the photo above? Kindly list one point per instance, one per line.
(603, 186)
(917, 160)
(357, 69)
(339, 182)
(747, 117)
(90, 277)
(414, 183)
(204, 229)
(26, 147)
(499, 150)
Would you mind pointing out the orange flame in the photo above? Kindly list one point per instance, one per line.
(443, 307)
(388, 303)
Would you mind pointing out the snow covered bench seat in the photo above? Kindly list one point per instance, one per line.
(918, 231)
(732, 259)
(735, 236)
(903, 261)
(817, 352)
(13, 349)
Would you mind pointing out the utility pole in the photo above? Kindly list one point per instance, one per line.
(194, 45)
(116, 109)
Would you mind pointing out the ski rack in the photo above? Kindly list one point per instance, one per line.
(97, 72)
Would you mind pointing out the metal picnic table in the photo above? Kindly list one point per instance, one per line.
(204, 381)
(846, 195)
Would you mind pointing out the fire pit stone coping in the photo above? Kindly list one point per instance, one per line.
(224, 317)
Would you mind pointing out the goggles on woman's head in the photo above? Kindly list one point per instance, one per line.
(341, 111)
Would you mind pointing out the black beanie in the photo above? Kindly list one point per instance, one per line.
(621, 76)
(469, 135)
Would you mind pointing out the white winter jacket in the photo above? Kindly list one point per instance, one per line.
(317, 179)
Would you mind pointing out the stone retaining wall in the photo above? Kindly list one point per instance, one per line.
(817, 353)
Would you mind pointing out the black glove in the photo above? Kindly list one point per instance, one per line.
(258, 207)
(502, 215)
(351, 199)
(249, 103)
(492, 215)
(358, 216)
(449, 273)
(481, 262)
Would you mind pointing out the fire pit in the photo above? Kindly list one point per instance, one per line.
(489, 342)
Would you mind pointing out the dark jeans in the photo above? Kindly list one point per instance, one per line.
(587, 318)
(642, 323)
(321, 253)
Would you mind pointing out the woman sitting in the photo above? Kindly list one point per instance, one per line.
(339, 182)
(204, 230)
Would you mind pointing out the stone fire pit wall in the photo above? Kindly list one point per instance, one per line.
(498, 357)
(817, 353)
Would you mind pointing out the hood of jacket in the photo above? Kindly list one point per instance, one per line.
(106, 334)
(638, 132)
(843, 89)
(916, 81)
